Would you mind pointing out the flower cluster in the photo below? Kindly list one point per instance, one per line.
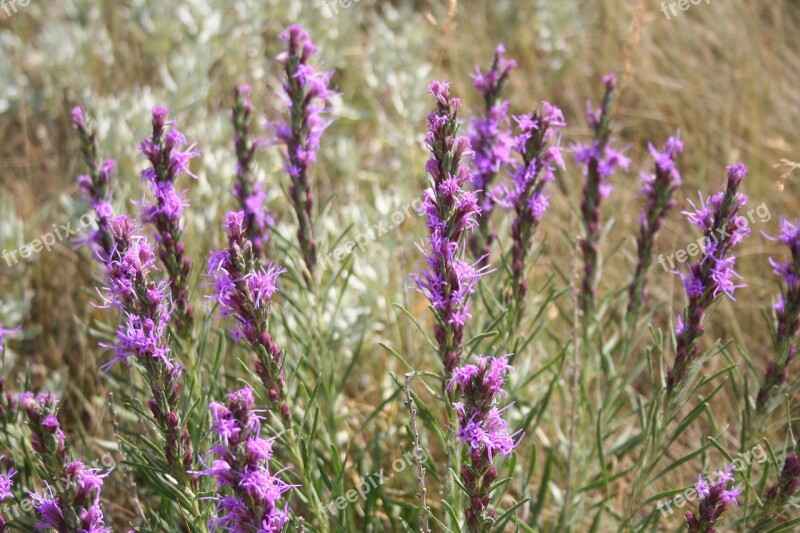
(483, 431)
(94, 185)
(169, 156)
(788, 483)
(714, 500)
(713, 274)
(598, 162)
(491, 142)
(77, 508)
(448, 280)
(5, 491)
(142, 331)
(657, 189)
(244, 292)
(307, 97)
(249, 191)
(241, 468)
(539, 155)
(787, 309)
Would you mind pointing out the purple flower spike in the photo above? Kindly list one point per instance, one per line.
(78, 507)
(94, 186)
(483, 431)
(448, 280)
(307, 98)
(5, 491)
(248, 190)
(657, 189)
(714, 500)
(244, 291)
(598, 162)
(714, 273)
(142, 331)
(537, 145)
(490, 138)
(249, 495)
(169, 156)
(787, 311)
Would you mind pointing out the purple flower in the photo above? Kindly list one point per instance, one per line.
(244, 291)
(248, 190)
(713, 274)
(598, 161)
(169, 155)
(657, 189)
(702, 488)
(491, 141)
(714, 500)
(787, 313)
(307, 97)
(448, 280)
(5, 491)
(248, 493)
(482, 430)
(789, 481)
(527, 194)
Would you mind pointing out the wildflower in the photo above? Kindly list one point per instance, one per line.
(307, 98)
(167, 151)
(5, 491)
(448, 280)
(77, 508)
(714, 500)
(598, 161)
(490, 138)
(244, 291)
(788, 482)
(145, 308)
(248, 494)
(657, 189)
(527, 194)
(483, 431)
(714, 273)
(787, 311)
(95, 184)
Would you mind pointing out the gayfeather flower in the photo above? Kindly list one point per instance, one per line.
(244, 291)
(598, 162)
(714, 500)
(249, 496)
(484, 433)
(713, 274)
(169, 154)
(657, 189)
(307, 97)
(539, 155)
(5, 491)
(77, 507)
(448, 280)
(787, 310)
(248, 190)
(145, 308)
(94, 185)
(491, 142)
(788, 483)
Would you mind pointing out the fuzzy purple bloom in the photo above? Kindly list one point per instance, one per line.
(244, 291)
(307, 97)
(448, 280)
(169, 155)
(491, 141)
(713, 274)
(598, 162)
(714, 500)
(657, 189)
(248, 190)
(483, 431)
(5, 491)
(249, 495)
(537, 145)
(787, 311)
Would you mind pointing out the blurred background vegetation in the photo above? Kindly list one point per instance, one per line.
(726, 74)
